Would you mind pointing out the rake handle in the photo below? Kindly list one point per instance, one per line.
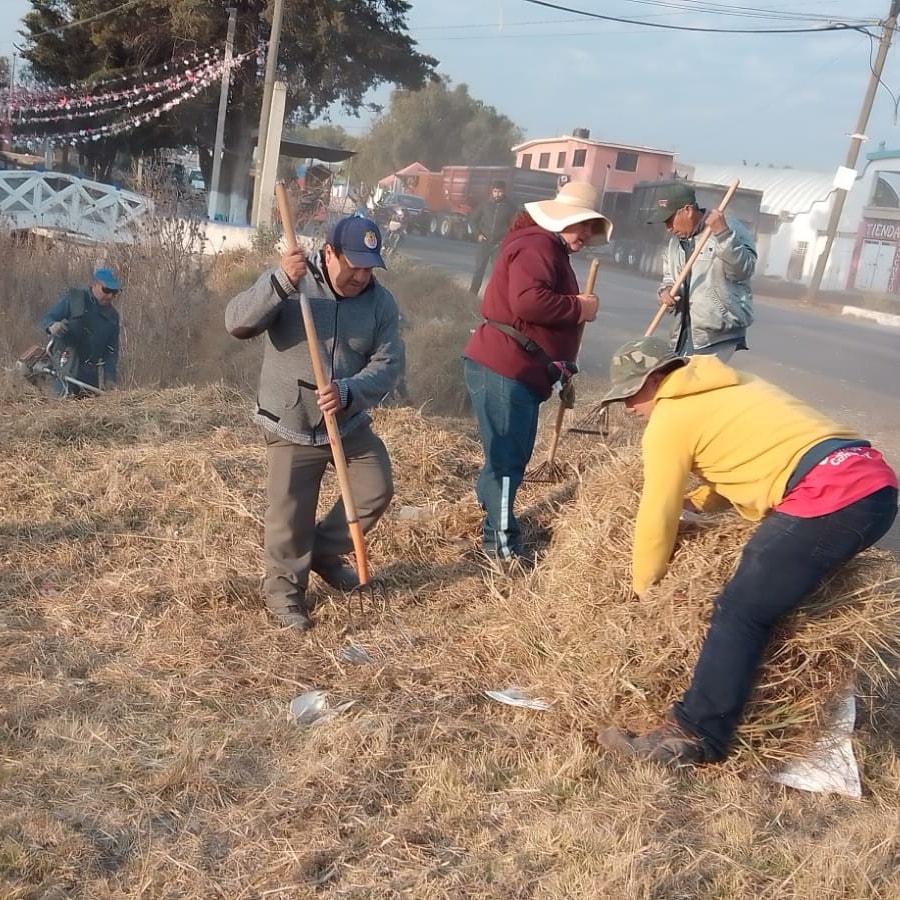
(322, 382)
(561, 412)
(686, 268)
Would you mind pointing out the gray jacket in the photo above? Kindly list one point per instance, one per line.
(359, 340)
(719, 295)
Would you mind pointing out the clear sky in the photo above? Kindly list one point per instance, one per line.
(781, 99)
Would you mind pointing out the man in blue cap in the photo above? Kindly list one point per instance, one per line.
(358, 327)
(84, 325)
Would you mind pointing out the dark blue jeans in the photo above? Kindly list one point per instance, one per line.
(507, 415)
(784, 561)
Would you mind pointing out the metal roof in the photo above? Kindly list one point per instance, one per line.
(301, 150)
(575, 139)
(787, 192)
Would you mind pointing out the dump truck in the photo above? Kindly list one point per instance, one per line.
(452, 195)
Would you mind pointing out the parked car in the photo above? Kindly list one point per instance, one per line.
(410, 207)
(195, 179)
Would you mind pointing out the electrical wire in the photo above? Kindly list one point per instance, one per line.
(834, 26)
(750, 12)
(101, 15)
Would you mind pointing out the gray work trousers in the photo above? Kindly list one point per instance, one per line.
(292, 534)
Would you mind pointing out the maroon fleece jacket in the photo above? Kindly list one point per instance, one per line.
(533, 288)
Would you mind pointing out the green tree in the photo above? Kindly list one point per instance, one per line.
(327, 135)
(437, 126)
(331, 52)
(4, 71)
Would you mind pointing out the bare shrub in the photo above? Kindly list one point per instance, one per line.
(438, 316)
(145, 743)
(173, 303)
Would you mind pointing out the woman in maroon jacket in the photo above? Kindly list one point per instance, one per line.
(532, 312)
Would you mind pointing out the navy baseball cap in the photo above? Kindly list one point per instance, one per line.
(359, 239)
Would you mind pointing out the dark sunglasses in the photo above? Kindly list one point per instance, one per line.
(111, 292)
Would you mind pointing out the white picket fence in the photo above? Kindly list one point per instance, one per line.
(65, 203)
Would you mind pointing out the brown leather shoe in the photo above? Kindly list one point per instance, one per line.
(669, 745)
(335, 572)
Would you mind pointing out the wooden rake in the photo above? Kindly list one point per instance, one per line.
(365, 586)
(596, 420)
(550, 471)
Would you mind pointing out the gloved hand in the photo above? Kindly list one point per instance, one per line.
(561, 371)
(58, 328)
(567, 395)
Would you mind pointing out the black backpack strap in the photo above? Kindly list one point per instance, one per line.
(525, 342)
(77, 303)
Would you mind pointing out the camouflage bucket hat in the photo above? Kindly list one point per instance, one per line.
(633, 363)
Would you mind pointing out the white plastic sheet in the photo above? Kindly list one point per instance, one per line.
(831, 766)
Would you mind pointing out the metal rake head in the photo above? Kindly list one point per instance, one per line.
(371, 595)
(595, 422)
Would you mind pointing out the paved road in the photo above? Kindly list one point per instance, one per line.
(849, 368)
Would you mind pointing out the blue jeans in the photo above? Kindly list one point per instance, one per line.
(507, 415)
(784, 561)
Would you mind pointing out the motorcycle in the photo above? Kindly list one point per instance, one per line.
(396, 228)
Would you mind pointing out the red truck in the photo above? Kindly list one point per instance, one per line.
(454, 193)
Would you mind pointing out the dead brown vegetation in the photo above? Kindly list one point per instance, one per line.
(145, 744)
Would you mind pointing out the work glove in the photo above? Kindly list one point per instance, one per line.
(560, 372)
(58, 328)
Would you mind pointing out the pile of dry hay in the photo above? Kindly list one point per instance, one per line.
(137, 518)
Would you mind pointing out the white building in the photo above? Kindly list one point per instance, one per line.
(796, 206)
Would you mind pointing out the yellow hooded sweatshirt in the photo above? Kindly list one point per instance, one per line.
(741, 435)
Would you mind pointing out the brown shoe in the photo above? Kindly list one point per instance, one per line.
(669, 745)
(335, 573)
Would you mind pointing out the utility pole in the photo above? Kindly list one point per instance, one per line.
(265, 110)
(856, 140)
(213, 204)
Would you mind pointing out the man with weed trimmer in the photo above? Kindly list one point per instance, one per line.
(84, 327)
(356, 321)
(713, 306)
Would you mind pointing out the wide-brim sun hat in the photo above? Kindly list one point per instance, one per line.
(633, 363)
(576, 201)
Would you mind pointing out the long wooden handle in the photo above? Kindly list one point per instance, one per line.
(588, 289)
(686, 268)
(287, 219)
(561, 412)
(322, 382)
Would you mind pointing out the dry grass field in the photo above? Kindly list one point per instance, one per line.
(146, 745)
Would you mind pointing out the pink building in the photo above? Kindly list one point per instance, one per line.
(612, 168)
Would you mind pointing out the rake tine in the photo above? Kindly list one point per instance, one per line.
(596, 421)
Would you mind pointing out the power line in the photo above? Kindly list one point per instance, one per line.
(835, 26)
(102, 15)
(729, 10)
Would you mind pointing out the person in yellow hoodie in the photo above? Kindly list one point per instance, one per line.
(820, 493)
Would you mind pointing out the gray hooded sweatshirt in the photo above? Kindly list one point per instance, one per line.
(360, 345)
